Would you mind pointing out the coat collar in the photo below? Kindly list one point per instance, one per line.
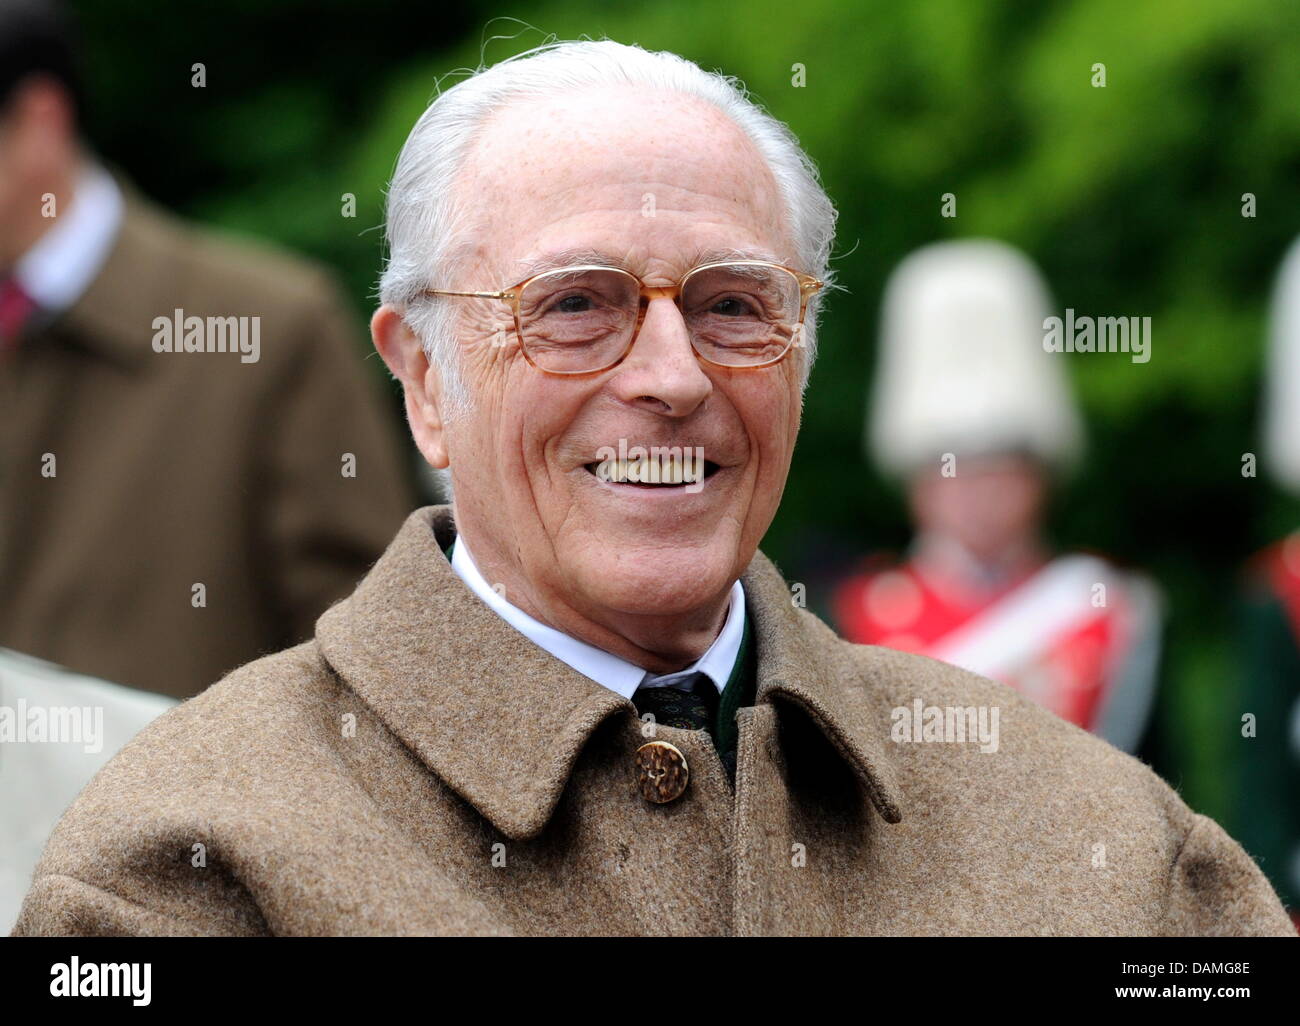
(502, 721)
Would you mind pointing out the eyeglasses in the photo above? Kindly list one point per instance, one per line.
(583, 320)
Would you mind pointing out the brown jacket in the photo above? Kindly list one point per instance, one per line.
(422, 768)
(177, 469)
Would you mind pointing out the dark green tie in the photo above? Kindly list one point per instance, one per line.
(690, 704)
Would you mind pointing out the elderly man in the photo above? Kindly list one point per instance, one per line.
(579, 701)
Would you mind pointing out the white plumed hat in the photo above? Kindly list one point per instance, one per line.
(962, 367)
(1282, 377)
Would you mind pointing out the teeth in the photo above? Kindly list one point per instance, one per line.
(662, 469)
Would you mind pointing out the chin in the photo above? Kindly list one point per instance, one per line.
(659, 579)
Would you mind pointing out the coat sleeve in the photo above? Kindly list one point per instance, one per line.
(63, 906)
(338, 476)
(1216, 890)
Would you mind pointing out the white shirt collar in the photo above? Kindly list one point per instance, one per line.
(606, 669)
(62, 263)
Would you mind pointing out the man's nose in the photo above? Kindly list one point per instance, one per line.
(661, 373)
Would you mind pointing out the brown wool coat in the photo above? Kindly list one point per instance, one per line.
(181, 468)
(422, 768)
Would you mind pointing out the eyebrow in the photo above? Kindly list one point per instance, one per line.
(574, 257)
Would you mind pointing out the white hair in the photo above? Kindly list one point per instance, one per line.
(428, 225)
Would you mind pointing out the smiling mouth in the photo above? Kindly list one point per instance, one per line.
(668, 472)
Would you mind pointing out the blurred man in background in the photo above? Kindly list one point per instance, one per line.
(1268, 809)
(975, 418)
(174, 503)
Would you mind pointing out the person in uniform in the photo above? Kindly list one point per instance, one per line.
(1268, 806)
(190, 471)
(976, 421)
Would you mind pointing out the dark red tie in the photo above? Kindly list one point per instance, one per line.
(16, 309)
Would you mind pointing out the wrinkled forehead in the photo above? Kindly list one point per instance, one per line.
(656, 177)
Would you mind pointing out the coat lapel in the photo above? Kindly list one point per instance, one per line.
(497, 718)
(803, 662)
(501, 721)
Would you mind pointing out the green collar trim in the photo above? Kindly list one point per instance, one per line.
(739, 692)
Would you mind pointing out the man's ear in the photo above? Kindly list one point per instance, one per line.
(401, 350)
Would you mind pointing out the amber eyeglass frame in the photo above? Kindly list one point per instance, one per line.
(809, 286)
